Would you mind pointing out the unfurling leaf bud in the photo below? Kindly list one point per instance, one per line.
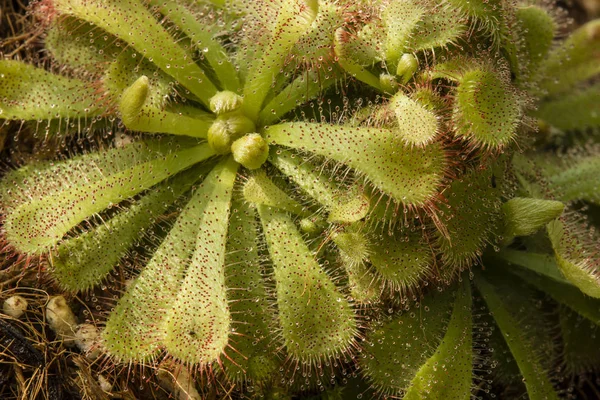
(133, 99)
(524, 216)
(388, 83)
(407, 66)
(226, 129)
(225, 101)
(251, 150)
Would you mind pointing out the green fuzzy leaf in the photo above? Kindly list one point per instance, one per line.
(343, 51)
(469, 216)
(521, 345)
(487, 15)
(525, 216)
(292, 21)
(439, 27)
(199, 321)
(354, 249)
(410, 175)
(400, 19)
(578, 261)
(253, 356)
(81, 46)
(313, 49)
(30, 93)
(536, 29)
(487, 109)
(83, 261)
(577, 110)
(580, 342)
(317, 322)
(402, 260)
(259, 189)
(300, 90)
(578, 181)
(135, 329)
(364, 285)
(343, 204)
(447, 374)
(397, 348)
(40, 219)
(576, 60)
(203, 37)
(417, 125)
(361, 47)
(132, 23)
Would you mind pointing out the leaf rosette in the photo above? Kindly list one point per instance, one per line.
(273, 241)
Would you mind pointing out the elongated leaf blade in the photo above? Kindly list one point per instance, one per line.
(31, 93)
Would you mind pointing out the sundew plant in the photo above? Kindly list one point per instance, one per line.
(389, 198)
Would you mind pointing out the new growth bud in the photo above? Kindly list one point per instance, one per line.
(133, 99)
(226, 129)
(251, 150)
(224, 102)
(407, 66)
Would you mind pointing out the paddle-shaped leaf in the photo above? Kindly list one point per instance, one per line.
(410, 175)
(43, 218)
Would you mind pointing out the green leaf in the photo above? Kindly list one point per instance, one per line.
(400, 19)
(40, 216)
(563, 293)
(139, 114)
(525, 216)
(521, 345)
(198, 322)
(81, 262)
(31, 93)
(317, 322)
(470, 216)
(487, 109)
(579, 336)
(536, 30)
(402, 260)
(577, 259)
(486, 16)
(259, 189)
(576, 110)
(410, 175)
(577, 180)
(82, 47)
(253, 353)
(344, 204)
(447, 374)
(397, 348)
(544, 264)
(439, 27)
(417, 125)
(313, 50)
(135, 328)
(344, 49)
(527, 307)
(354, 248)
(294, 19)
(132, 23)
(203, 37)
(575, 61)
(302, 89)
